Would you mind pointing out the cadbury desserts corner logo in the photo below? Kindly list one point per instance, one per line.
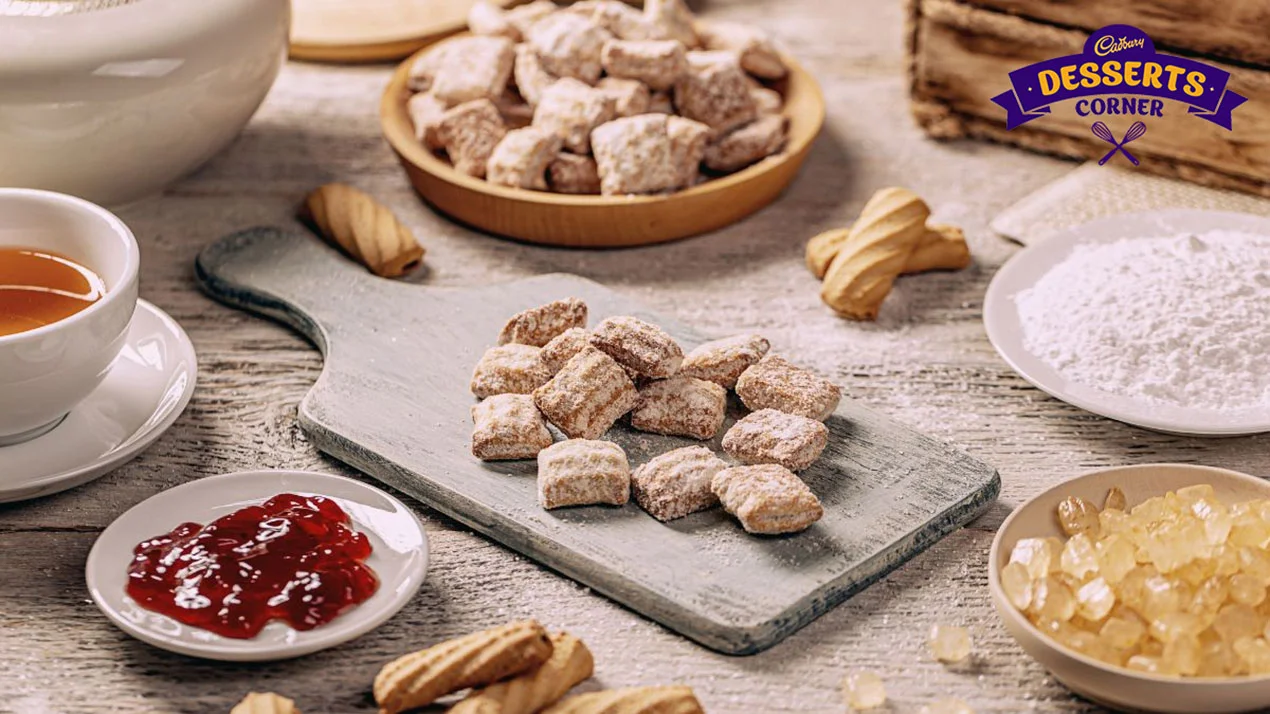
(1119, 73)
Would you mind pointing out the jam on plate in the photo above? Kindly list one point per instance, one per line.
(293, 558)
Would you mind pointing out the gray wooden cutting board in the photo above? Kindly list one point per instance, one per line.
(393, 401)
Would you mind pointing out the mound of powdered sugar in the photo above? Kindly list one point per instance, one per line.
(1181, 320)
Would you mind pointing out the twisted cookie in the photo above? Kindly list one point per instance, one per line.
(881, 241)
(364, 228)
(942, 247)
(270, 703)
(636, 700)
(570, 663)
(419, 678)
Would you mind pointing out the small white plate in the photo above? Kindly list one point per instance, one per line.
(399, 558)
(1001, 319)
(147, 388)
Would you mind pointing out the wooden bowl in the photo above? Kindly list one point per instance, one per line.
(1110, 686)
(604, 221)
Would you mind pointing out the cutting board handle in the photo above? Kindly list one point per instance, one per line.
(285, 275)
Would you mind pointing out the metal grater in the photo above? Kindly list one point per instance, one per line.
(51, 8)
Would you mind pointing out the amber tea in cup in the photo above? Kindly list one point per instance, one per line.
(40, 287)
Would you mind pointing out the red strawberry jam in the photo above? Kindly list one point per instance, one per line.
(294, 558)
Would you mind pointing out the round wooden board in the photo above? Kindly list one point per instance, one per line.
(604, 221)
(372, 30)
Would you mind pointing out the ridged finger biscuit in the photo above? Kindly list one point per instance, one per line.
(420, 678)
(570, 663)
(636, 700)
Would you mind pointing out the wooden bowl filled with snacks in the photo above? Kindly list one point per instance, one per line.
(570, 140)
(1143, 587)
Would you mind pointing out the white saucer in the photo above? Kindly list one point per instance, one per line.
(147, 388)
(1001, 319)
(399, 558)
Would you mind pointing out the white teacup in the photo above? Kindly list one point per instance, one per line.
(45, 372)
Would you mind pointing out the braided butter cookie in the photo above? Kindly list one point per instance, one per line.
(881, 241)
(635, 700)
(364, 228)
(570, 663)
(420, 678)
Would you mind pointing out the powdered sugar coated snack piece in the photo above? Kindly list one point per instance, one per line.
(630, 97)
(674, 19)
(661, 103)
(715, 91)
(767, 499)
(571, 173)
(469, 133)
(530, 77)
(572, 110)
(587, 395)
(563, 347)
(620, 19)
(767, 101)
(509, 369)
(524, 17)
(569, 45)
(633, 155)
(425, 112)
(520, 160)
(681, 406)
(474, 67)
(581, 472)
(774, 383)
(515, 111)
(425, 67)
(539, 325)
(657, 63)
(677, 483)
(771, 437)
(743, 146)
(642, 346)
(722, 361)
(508, 426)
(486, 18)
(758, 56)
(688, 140)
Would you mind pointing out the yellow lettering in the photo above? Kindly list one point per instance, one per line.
(1173, 71)
(1151, 75)
(1194, 84)
(1069, 77)
(1089, 75)
(1131, 72)
(1111, 73)
(1049, 81)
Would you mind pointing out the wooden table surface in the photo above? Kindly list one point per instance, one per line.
(926, 362)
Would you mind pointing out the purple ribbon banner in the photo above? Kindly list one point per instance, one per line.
(1106, 69)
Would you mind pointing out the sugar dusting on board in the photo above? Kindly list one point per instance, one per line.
(1181, 320)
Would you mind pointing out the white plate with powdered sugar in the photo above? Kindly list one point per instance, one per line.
(1160, 320)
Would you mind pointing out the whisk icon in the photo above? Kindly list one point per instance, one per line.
(1136, 130)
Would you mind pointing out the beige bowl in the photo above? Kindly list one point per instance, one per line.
(604, 221)
(1094, 680)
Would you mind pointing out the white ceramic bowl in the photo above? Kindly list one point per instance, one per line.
(112, 104)
(46, 371)
(1094, 680)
